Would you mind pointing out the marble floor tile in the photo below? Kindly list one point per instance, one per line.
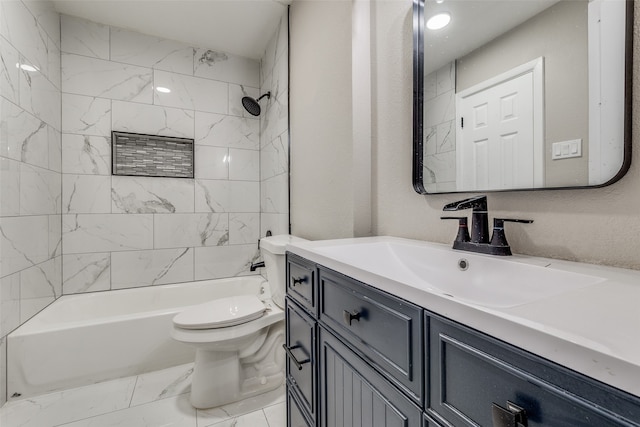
(276, 414)
(162, 384)
(170, 412)
(159, 398)
(253, 419)
(208, 417)
(57, 408)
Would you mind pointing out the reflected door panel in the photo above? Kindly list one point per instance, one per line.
(495, 129)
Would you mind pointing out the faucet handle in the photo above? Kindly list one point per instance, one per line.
(498, 237)
(463, 230)
(477, 203)
(499, 222)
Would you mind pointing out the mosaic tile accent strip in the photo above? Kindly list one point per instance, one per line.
(151, 155)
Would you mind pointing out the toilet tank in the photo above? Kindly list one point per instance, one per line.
(273, 250)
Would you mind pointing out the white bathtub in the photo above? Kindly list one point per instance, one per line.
(87, 338)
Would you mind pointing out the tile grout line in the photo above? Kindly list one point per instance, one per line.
(133, 391)
(264, 414)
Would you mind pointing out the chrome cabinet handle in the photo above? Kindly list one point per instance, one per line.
(295, 361)
(511, 416)
(350, 317)
(298, 280)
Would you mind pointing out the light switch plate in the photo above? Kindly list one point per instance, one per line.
(566, 149)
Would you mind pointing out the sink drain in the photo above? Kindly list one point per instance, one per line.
(463, 264)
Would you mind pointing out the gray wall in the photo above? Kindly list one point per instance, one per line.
(322, 202)
(559, 34)
(592, 225)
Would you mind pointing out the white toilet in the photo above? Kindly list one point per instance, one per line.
(239, 339)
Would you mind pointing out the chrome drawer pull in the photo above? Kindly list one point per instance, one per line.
(293, 358)
(298, 280)
(350, 317)
(511, 416)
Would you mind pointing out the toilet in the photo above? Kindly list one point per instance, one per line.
(238, 339)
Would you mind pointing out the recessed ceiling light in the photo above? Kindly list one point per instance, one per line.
(26, 67)
(438, 21)
(163, 89)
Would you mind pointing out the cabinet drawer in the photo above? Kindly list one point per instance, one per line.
(471, 372)
(301, 355)
(386, 329)
(295, 414)
(301, 282)
(355, 395)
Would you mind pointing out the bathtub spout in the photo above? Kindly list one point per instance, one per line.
(257, 265)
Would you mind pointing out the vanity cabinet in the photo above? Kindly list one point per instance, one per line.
(359, 356)
(476, 378)
(369, 350)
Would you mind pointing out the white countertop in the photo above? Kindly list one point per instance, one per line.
(594, 330)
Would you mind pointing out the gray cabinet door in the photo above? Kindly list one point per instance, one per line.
(301, 344)
(355, 395)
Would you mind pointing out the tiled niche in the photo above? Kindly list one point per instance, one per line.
(133, 154)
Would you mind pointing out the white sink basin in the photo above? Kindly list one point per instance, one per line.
(489, 281)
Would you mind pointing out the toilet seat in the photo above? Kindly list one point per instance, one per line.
(221, 313)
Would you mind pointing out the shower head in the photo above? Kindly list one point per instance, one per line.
(252, 106)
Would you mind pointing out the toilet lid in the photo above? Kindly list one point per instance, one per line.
(221, 313)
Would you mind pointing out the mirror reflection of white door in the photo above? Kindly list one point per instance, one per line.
(499, 143)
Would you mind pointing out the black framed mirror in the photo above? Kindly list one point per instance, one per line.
(521, 95)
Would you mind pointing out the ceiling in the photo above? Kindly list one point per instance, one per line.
(473, 24)
(240, 27)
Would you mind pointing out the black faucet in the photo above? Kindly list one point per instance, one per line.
(479, 240)
(479, 216)
(257, 265)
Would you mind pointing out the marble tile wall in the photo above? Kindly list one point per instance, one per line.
(30, 165)
(66, 225)
(121, 232)
(439, 158)
(274, 133)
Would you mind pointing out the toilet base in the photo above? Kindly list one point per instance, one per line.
(215, 378)
(223, 377)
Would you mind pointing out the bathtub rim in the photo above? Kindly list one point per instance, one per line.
(38, 323)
